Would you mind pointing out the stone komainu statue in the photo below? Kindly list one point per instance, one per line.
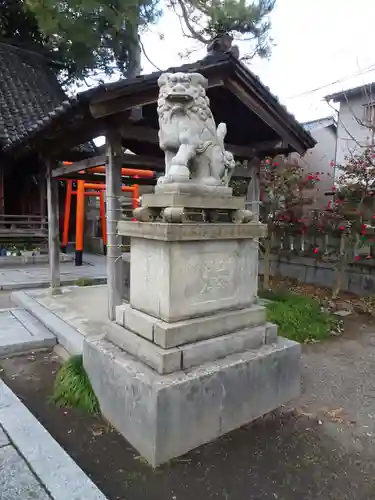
(193, 145)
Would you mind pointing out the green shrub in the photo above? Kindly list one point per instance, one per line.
(299, 318)
(73, 388)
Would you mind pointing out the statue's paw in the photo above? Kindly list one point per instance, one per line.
(211, 181)
(179, 173)
(166, 179)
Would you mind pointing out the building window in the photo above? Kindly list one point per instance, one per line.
(369, 115)
(369, 121)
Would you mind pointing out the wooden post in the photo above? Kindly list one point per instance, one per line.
(253, 191)
(42, 195)
(53, 230)
(114, 253)
(2, 200)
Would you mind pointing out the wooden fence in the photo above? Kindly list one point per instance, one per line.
(23, 228)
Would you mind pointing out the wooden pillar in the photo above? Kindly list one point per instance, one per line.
(253, 190)
(2, 200)
(114, 253)
(42, 195)
(53, 230)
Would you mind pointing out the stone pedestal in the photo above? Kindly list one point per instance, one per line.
(192, 355)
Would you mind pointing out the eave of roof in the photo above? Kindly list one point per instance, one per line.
(141, 82)
(366, 89)
(325, 122)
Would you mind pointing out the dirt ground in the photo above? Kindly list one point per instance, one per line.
(321, 446)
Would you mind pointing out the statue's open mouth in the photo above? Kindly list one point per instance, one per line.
(179, 97)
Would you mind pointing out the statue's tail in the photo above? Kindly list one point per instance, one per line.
(221, 132)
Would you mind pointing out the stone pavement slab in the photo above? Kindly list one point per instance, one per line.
(3, 438)
(20, 332)
(16, 479)
(33, 465)
(75, 314)
(37, 276)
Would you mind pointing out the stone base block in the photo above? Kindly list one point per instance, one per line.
(180, 332)
(191, 354)
(193, 188)
(191, 201)
(165, 416)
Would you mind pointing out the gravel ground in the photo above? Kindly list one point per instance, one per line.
(320, 446)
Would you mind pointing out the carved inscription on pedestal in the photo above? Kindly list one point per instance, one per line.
(210, 277)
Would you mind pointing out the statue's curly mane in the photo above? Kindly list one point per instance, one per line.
(200, 106)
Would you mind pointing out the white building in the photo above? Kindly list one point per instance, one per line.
(356, 120)
(318, 160)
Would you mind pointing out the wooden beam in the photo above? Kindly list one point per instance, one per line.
(101, 108)
(244, 152)
(127, 160)
(139, 133)
(130, 97)
(150, 135)
(128, 181)
(241, 173)
(76, 166)
(260, 110)
(53, 230)
(114, 240)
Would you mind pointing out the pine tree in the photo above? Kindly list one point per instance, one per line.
(247, 21)
(19, 24)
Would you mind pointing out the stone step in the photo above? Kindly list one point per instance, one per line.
(190, 354)
(20, 333)
(178, 333)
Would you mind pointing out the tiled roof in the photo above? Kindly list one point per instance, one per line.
(150, 80)
(29, 92)
(367, 90)
(327, 121)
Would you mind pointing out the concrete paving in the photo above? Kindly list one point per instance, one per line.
(76, 313)
(16, 478)
(32, 464)
(37, 276)
(20, 332)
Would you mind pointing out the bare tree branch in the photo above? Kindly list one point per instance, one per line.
(185, 16)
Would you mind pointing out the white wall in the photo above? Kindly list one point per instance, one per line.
(318, 160)
(350, 112)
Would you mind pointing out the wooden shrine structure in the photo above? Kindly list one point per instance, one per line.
(125, 112)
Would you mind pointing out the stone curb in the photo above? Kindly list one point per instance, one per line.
(66, 335)
(56, 470)
(100, 280)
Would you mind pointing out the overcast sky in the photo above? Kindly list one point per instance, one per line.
(317, 42)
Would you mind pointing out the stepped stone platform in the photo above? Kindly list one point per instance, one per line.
(192, 355)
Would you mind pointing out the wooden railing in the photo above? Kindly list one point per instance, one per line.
(23, 227)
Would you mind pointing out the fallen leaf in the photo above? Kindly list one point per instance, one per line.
(337, 415)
